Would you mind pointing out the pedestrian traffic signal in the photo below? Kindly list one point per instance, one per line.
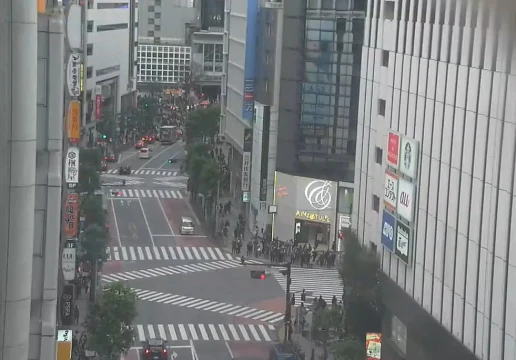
(258, 274)
(104, 136)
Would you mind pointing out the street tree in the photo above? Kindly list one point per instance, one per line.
(94, 241)
(359, 271)
(89, 167)
(209, 178)
(92, 211)
(329, 333)
(198, 155)
(110, 321)
(202, 124)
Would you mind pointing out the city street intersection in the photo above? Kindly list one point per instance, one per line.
(191, 292)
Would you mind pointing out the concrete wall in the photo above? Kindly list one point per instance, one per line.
(451, 87)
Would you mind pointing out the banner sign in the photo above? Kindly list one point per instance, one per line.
(68, 260)
(264, 168)
(73, 75)
(373, 346)
(64, 344)
(405, 201)
(98, 102)
(390, 190)
(393, 149)
(73, 121)
(409, 157)
(248, 140)
(71, 215)
(388, 231)
(246, 171)
(72, 167)
(251, 40)
(403, 242)
(67, 305)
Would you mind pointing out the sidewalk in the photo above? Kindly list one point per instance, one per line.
(304, 344)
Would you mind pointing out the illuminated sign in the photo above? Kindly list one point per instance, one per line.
(318, 194)
(313, 216)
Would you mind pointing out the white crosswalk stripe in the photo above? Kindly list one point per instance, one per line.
(143, 193)
(207, 305)
(319, 282)
(170, 270)
(207, 332)
(146, 172)
(133, 253)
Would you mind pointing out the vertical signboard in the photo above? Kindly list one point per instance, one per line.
(68, 260)
(98, 102)
(393, 149)
(71, 215)
(403, 242)
(73, 76)
(72, 168)
(264, 168)
(250, 59)
(405, 203)
(73, 121)
(390, 190)
(388, 231)
(64, 344)
(246, 160)
(374, 346)
(409, 157)
(67, 305)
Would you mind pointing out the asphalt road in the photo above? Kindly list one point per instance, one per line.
(190, 292)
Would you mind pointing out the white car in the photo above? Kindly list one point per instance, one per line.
(145, 153)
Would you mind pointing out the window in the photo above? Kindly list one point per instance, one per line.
(89, 72)
(399, 334)
(157, 27)
(113, 5)
(150, 8)
(266, 85)
(157, 15)
(150, 33)
(157, 2)
(379, 155)
(151, 21)
(327, 4)
(388, 10)
(385, 58)
(90, 26)
(376, 203)
(112, 27)
(90, 4)
(89, 49)
(381, 107)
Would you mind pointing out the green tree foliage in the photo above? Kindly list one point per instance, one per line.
(328, 332)
(92, 211)
(89, 167)
(202, 168)
(360, 271)
(94, 241)
(110, 321)
(202, 123)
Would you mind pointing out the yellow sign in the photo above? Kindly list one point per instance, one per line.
(64, 345)
(42, 4)
(82, 77)
(305, 215)
(73, 121)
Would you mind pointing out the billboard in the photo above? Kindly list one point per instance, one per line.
(264, 160)
(67, 304)
(98, 102)
(73, 74)
(390, 190)
(393, 149)
(64, 344)
(405, 202)
(73, 121)
(374, 346)
(246, 160)
(409, 157)
(72, 167)
(303, 198)
(388, 231)
(403, 242)
(71, 215)
(68, 259)
(251, 39)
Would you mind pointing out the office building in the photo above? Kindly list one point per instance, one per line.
(111, 55)
(434, 179)
(297, 62)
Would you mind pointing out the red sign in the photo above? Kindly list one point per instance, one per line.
(98, 106)
(393, 149)
(71, 215)
(373, 346)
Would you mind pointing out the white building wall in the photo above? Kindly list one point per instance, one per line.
(110, 48)
(451, 87)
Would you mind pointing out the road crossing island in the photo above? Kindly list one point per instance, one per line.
(133, 253)
(211, 306)
(207, 332)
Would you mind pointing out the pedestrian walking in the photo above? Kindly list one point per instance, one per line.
(76, 314)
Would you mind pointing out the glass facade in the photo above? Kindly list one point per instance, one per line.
(330, 89)
(212, 57)
(164, 64)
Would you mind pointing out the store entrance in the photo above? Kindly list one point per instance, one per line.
(311, 232)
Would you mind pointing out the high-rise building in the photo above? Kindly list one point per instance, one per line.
(298, 64)
(435, 170)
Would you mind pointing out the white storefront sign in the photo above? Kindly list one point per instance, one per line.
(344, 222)
(406, 196)
(409, 157)
(68, 263)
(72, 167)
(246, 171)
(318, 194)
(390, 195)
(73, 74)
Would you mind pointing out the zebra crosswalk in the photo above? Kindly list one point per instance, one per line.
(146, 172)
(146, 193)
(207, 305)
(133, 253)
(213, 332)
(171, 270)
(318, 282)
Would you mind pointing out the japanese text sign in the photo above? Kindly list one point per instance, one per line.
(73, 121)
(246, 171)
(71, 215)
(72, 167)
(393, 149)
(73, 76)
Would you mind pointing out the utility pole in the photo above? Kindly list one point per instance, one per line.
(288, 306)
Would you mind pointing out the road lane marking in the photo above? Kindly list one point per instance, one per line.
(152, 334)
(212, 254)
(156, 253)
(196, 253)
(254, 333)
(213, 332)
(229, 351)
(166, 218)
(172, 253)
(140, 253)
(188, 254)
(172, 331)
(233, 331)
(164, 253)
(116, 224)
(158, 154)
(117, 255)
(124, 252)
(203, 332)
(141, 333)
(244, 332)
(133, 253)
(223, 332)
(205, 255)
(146, 222)
(193, 333)
(264, 332)
(147, 250)
(182, 331)
(161, 331)
(180, 252)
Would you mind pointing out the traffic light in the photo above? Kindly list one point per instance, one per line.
(258, 274)
(104, 136)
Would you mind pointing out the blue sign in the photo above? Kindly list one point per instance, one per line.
(251, 43)
(388, 231)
